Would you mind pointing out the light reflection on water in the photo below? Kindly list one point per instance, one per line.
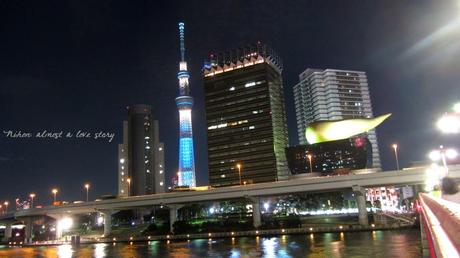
(402, 243)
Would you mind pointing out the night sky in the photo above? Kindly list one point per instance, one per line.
(76, 65)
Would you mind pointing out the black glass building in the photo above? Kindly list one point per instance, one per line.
(333, 157)
(245, 115)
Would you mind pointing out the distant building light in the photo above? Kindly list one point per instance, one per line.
(232, 89)
(161, 183)
(160, 149)
(249, 84)
(122, 161)
(251, 127)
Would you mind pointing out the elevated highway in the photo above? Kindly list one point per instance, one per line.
(175, 200)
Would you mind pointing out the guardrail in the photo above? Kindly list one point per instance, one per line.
(440, 224)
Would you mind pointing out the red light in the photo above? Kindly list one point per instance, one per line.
(358, 142)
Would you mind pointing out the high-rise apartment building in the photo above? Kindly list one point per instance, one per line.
(141, 155)
(245, 115)
(332, 94)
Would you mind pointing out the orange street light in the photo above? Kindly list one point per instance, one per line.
(32, 195)
(129, 186)
(87, 192)
(309, 159)
(54, 191)
(239, 170)
(6, 206)
(395, 147)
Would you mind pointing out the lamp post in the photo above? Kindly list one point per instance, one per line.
(309, 159)
(239, 171)
(443, 154)
(129, 186)
(32, 195)
(449, 123)
(87, 192)
(395, 148)
(54, 191)
(6, 206)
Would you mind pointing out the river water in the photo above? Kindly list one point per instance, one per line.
(396, 243)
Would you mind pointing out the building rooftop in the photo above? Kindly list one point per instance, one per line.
(241, 57)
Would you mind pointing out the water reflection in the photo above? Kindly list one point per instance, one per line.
(404, 243)
(270, 246)
(99, 250)
(65, 251)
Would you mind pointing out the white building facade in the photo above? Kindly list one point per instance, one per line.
(332, 94)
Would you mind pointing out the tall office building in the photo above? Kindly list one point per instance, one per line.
(141, 155)
(245, 116)
(333, 95)
(186, 174)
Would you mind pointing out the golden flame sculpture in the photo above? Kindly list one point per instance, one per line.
(326, 131)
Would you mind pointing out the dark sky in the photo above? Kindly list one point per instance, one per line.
(76, 65)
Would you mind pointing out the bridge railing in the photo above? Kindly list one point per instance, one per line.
(440, 222)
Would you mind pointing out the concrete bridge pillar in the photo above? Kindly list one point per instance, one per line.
(29, 229)
(107, 221)
(8, 231)
(256, 219)
(173, 208)
(58, 218)
(360, 196)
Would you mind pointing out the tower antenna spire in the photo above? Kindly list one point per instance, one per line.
(182, 40)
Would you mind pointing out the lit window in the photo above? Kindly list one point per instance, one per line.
(122, 173)
(249, 84)
(122, 167)
(232, 89)
(161, 171)
(147, 147)
(161, 183)
(251, 127)
(160, 149)
(222, 176)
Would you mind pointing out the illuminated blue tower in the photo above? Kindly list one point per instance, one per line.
(186, 174)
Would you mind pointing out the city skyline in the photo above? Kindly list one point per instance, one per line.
(114, 73)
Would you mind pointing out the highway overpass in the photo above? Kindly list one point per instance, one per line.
(175, 200)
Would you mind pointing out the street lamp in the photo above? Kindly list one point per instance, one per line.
(395, 147)
(443, 154)
(129, 186)
(456, 107)
(54, 191)
(6, 206)
(32, 195)
(87, 192)
(309, 159)
(449, 123)
(239, 170)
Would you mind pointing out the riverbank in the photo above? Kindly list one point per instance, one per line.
(211, 235)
